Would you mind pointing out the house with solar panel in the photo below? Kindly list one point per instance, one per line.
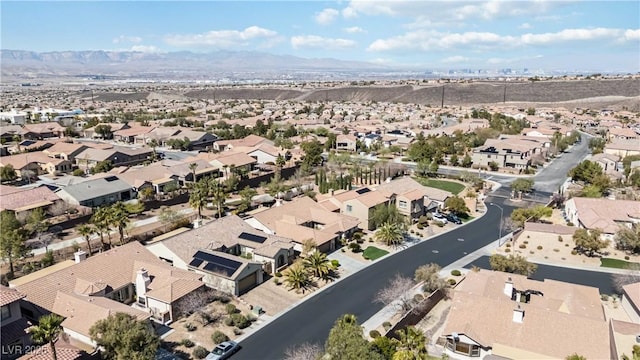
(230, 255)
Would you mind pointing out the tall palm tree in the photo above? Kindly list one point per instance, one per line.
(411, 345)
(193, 167)
(100, 220)
(219, 195)
(86, 231)
(389, 234)
(47, 331)
(198, 196)
(119, 217)
(318, 264)
(297, 277)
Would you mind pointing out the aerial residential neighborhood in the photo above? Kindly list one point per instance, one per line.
(320, 180)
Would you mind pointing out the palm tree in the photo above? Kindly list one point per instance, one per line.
(411, 345)
(297, 277)
(47, 331)
(216, 190)
(193, 167)
(119, 217)
(318, 264)
(100, 221)
(390, 234)
(153, 144)
(198, 197)
(280, 162)
(86, 231)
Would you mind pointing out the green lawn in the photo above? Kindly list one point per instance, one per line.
(468, 218)
(373, 253)
(450, 186)
(615, 263)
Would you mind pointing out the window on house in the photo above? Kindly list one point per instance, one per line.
(142, 301)
(402, 204)
(349, 208)
(6, 312)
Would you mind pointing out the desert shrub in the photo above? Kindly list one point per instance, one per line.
(386, 325)
(187, 343)
(522, 246)
(456, 272)
(237, 331)
(532, 252)
(355, 247)
(566, 245)
(574, 252)
(556, 250)
(526, 242)
(240, 321)
(200, 352)
(439, 224)
(374, 334)
(423, 220)
(539, 247)
(224, 299)
(604, 297)
(507, 250)
(218, 336)
(276, 281)
(508, 245)
(190, 327)
(228, 321)
(560, 238)
(451, 282)
(418, 297)
(420, 226)
(335, 263)
(231, 309)
(626, 257)
(278, 274)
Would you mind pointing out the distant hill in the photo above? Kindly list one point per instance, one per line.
(131, 63)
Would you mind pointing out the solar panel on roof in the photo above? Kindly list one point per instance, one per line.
(217, 263)
(195, 262)
(111, 178)
(252, 237)
(363, 191)
(27, 143)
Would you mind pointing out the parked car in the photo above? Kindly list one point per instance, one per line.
(454, 219)
(439, 218)
(224, 350)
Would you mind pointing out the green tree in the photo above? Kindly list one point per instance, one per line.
(422, 168)
(466, 161)
(453, 160)
(515, 264)
(429, 276)
(534, 214)
(383, 214)
(47, 331)
(121, 336)
(102, 166)
(37, 225)
(522, 184)
(192, 168)
(411, 345)
(169, 216)
(597, 145)
(318, 264)
(575, 356)
(331, 141)
(456, 205)
(8, 173)
(12, 245)
(589, 241)
(119, 217)
(346, 341)
(433, 168)
(100, 220)
(586, 171)
(86, 231)
(591, 191)
(246, 195)
(104, 131)
(628, 239)
(218, 195)
(297, 277)
(199, 196)
(134, 208)
(312, 155)
(390, 234)
(384, 346)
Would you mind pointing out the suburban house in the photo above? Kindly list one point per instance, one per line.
(604, 214)
(302, 220)
(264, 153)
(91, 132)
(97, 192)
(359, 203)
(18, 200)
(9, 133)
(411, 197)
(514, 152)
(622, 133)
(133, 135)
(546, 130)
(14, 116)
(118, 156)
(529, 319)
(14, 326)
(65, 150)
(39, 131)
(37, 162)
(548, 234)
(126, 279)
(198, 140)
(622, 147)
(228, 253)
(346, 143)
(610, 164)
(631, 301)
(227, 162)
(249, 141)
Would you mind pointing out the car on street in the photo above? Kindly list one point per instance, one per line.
(224, 350)
(439, 218)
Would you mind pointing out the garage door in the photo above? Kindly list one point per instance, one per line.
(247, 283)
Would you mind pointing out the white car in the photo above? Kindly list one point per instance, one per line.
(440, 218)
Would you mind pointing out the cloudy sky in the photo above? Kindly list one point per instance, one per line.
(600, 35)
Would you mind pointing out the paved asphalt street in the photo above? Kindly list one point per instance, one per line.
(311, 320)
(601, 280)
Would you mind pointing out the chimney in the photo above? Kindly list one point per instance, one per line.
(142, 281)
(518, 315)
(79, 256)
(508, 287)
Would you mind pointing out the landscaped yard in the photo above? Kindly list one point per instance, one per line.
(450, 186)
(616, 263)
(373, 253)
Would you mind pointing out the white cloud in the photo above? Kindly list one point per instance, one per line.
(455, 59)
(326, 16)
(222, 38)
(314, 41)
(498, 61)
(525, 26)
(145, 48)
(129, 39)
(428, 40)
(355, 29)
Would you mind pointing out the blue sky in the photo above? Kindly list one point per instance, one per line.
(600, 35)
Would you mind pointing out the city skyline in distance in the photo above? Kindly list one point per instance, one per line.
(548, 35)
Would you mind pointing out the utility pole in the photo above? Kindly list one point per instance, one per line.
(442, 102)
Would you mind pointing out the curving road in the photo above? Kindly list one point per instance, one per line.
(312, 319)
